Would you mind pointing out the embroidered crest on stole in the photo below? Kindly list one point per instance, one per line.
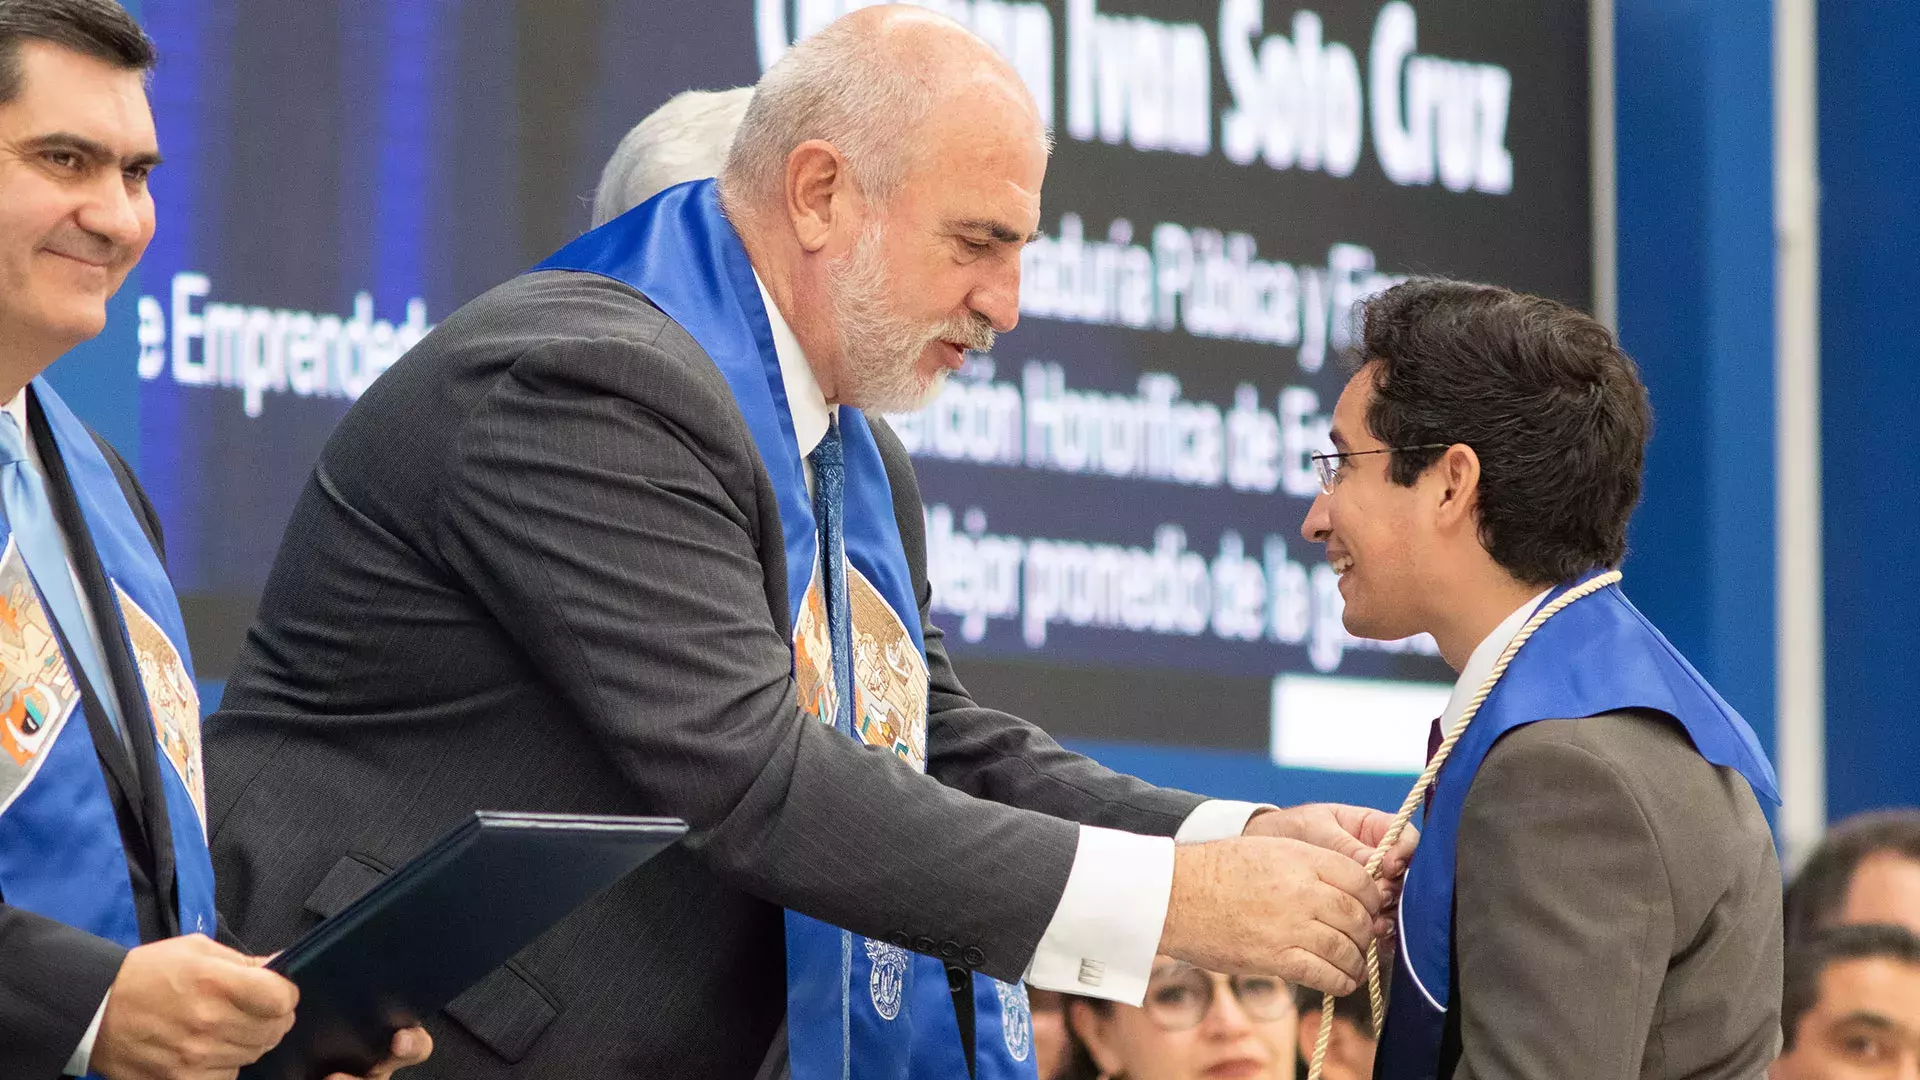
(887, 986)
(1016, 1019)
(171, 697)
(889, 674)
(37, 691)
(889, 710)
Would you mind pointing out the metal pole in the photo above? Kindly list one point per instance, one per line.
(1603, 163)
(1800, 635)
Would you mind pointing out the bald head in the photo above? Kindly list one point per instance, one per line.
(882, 86)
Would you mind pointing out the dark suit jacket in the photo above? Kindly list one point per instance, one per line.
(540, 567)
(1616, 910)
(52, 976)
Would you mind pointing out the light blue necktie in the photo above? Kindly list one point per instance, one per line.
(37, 534)
(829, 509)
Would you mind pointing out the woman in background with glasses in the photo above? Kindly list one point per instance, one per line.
(1193, 1025)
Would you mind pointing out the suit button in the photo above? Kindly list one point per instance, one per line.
(900, 938)
(950, 950)
(956, 979)
(974, 957)
(924, 946)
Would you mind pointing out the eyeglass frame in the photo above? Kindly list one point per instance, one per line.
(1328, 473)
(1283, 993)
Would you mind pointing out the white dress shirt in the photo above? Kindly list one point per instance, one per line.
(17, 408)
(1104, 934)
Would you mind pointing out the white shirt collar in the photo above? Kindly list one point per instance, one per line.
(17, 408)
(1480, 664)
(805, 400)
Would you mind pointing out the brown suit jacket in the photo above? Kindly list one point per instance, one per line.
(1616, 911)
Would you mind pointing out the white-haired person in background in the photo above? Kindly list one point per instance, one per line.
(685, 139)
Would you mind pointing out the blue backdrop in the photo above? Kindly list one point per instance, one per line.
(1870, 387)
(1695, 139)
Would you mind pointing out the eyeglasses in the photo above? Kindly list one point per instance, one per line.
(1179, 997)
(1328, 465)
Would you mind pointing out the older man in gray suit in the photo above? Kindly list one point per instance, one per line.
(619, 537)
(1595, 894)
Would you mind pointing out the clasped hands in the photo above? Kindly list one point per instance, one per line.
(1288, 897)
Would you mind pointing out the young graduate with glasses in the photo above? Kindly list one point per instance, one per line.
(1595, 893)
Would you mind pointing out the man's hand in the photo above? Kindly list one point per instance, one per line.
(1258, 904)
(1353, 831)
(410, 1047)
(190, 1009)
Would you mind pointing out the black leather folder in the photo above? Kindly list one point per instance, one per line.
(441, 922)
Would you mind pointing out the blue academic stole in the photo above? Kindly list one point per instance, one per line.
(1597, 655)
(856, 1007)
(61, 855)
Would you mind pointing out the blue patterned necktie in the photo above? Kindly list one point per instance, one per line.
(829, 509)
(37, 534)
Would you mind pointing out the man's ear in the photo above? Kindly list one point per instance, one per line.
(1459, 473)
(1094, 1029)
(819, 192)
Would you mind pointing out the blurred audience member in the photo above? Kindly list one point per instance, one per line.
(1350, 1048)
(1194, 1024)
(1867, 870)
(685, 139)
(1050, 1039)
(1852, 1005)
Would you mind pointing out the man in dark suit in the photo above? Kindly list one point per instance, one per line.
(103, 861)
(1596, 893)
(616, 537)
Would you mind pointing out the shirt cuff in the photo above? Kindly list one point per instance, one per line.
(77, 1065)
(1106, 930)
(1217, 819)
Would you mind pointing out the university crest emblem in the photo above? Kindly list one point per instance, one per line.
(888, 983)
(1016, 1019)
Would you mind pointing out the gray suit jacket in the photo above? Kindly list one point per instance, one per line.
(540, 567)
(1616, 910)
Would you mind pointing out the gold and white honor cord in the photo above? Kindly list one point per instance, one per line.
(1375, 992)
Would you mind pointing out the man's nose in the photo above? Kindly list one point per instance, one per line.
(998, 298)
(1319, 523)
(113, 212)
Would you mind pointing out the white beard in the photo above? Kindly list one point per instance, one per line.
(880, 350)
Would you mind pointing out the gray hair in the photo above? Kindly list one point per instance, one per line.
(835, 86)
(685, 139)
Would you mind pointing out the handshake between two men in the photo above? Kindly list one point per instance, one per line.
(1290, 897)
